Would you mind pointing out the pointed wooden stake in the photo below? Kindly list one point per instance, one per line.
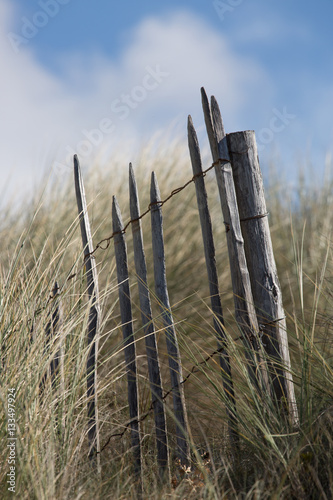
(244, 306)
(171, 338)
(128, 335)
(209, 248)
(149, 332)
(94, 314)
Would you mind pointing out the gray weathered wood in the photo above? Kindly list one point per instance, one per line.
(149, 332)
(128, 335)
(209, 249)
(94, 313)
(171, 338)
(261, 263)
(243, 300)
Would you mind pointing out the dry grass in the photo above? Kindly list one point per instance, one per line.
(43, 245)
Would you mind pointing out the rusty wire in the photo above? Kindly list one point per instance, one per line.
(146, 212)
(193, 370)
(160, 203)
(106, 242)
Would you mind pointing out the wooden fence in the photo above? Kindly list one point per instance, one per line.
(256, 291)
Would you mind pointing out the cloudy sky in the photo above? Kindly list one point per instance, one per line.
(95, 77)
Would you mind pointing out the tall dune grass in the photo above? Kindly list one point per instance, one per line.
(40, 244)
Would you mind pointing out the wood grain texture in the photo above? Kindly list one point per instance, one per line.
(128, 334)
(243, 299)
(261, 263)
(94, 313)
(171, 338)
(149, 333)
(216, 305)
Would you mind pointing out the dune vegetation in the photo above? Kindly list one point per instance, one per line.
(40, 243)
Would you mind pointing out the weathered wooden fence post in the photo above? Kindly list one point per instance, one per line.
(183, 452)
(209, 249)
(128, 335)
(94, 314)
(261, 264)
(149, 332)
(244, 305)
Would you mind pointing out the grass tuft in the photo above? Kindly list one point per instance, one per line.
(41, 244)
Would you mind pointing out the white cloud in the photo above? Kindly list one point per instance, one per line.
(43, 115)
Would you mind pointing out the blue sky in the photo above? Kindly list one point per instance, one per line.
(102, 77)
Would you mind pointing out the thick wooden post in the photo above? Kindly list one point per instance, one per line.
(171, 338)
(149, 332)
(261, 264)
(244, 305)
(94, 314)
(128, 335)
